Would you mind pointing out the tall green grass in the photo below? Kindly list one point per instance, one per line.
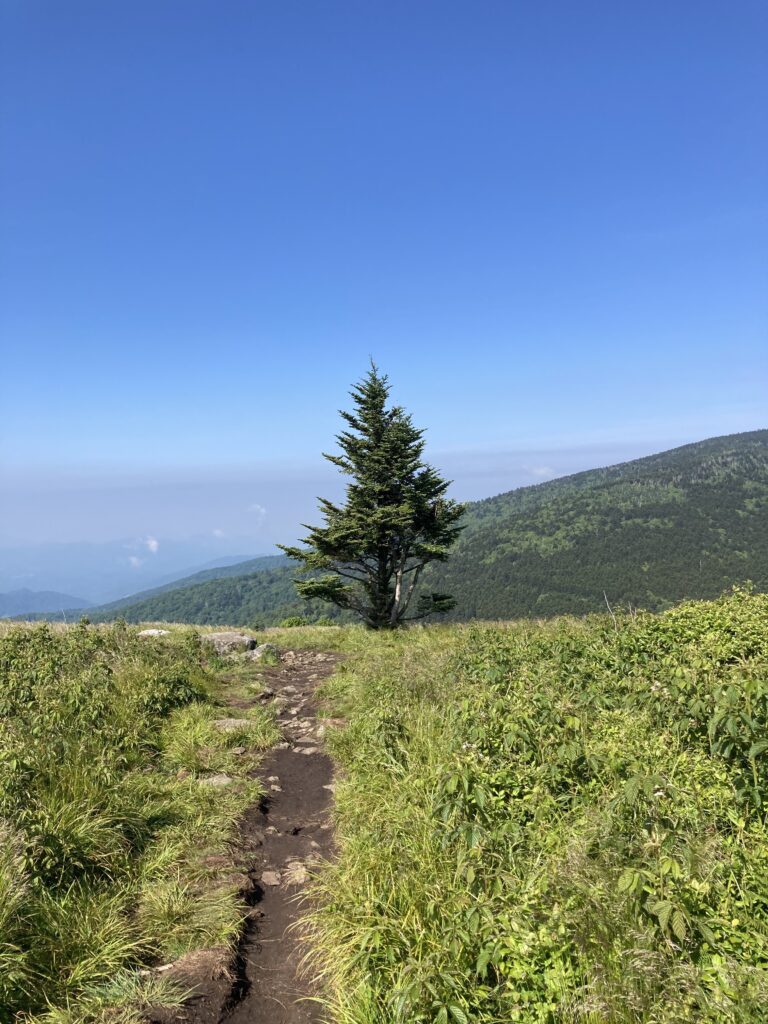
(556, 822)
(105, 829)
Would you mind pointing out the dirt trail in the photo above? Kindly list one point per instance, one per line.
(280, 840)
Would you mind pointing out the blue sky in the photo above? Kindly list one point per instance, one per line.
(546, 221)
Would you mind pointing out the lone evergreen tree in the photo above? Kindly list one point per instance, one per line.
(395, 521)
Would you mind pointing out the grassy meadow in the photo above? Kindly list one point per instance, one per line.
(545, 822)
(108, 839)
(551, 822)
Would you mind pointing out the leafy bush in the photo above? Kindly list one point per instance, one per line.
(292, 621)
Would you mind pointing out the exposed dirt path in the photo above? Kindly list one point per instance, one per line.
(280, 840)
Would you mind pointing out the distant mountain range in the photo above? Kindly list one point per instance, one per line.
(126, 607)
(246, 568)
(22, 602)
(647, 533)
(106, 571)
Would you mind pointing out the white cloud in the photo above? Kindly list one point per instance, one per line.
(259, 511)
(218, 533)
(135, 562)
(152, 545)
(542, 471)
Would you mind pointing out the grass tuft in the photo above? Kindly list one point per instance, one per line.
(104, 848)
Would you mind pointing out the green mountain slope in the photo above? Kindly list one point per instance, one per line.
(220, 572)
(684, 523)
(122, 608)
(651, 532)
(263, 598)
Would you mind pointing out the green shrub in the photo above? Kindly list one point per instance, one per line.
(292, 621)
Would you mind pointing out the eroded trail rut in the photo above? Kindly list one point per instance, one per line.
(281, 839)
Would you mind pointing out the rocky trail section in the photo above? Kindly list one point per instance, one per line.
(281, 839)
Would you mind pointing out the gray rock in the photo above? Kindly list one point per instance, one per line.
(270, 878)
(153, 632)
(257, 653)
(229, 641)
(231, 724)
(216, 780)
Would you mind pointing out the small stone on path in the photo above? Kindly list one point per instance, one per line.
(295, 873)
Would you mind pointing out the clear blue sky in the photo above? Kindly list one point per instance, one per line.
(546, 221)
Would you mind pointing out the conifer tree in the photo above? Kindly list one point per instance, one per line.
(395, 521)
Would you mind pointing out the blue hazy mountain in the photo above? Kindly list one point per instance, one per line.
(101, 572)
(25, 601)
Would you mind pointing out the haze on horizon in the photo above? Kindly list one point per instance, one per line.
(548, 225)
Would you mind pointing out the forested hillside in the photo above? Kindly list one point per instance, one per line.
(221, 572)
(686, 523)
(262, 599)
(124, 606)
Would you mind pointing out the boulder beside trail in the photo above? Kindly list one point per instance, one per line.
(229, 641)
(263, 649)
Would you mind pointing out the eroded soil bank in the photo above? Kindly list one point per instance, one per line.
(280, 840)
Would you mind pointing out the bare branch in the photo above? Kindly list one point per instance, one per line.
(409, 592)
(615, 623)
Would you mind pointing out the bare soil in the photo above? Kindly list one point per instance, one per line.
(280, 840)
